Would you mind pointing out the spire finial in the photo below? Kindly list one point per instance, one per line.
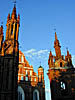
(1, 23)
(54, 29)
(14, 1)
(55, 36)
(40, 63)
(67, 51)
(67, 48)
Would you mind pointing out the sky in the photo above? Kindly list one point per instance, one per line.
(38, 21)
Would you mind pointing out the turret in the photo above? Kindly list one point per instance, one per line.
(68, 59)
(50, 60)
(40, 74)
(57, 47)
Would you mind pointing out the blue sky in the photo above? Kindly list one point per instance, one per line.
(38, 19)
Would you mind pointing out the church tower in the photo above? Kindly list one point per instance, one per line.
(61, 74)
(40, 74)
(9, 58)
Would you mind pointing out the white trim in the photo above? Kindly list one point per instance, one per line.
(21, 91)
(36, 91)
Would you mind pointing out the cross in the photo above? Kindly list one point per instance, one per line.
(66, 48)
(54, 29)
(40, 63)
(1, 23)
(14, 1)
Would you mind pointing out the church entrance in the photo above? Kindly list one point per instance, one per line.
(21, 95)
(36, 95)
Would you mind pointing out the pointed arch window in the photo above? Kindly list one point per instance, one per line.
(36, 95)
(63, 88)
(60, 64)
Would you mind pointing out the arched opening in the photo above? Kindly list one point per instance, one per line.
(60, 64)
(63, 87)
(21, 95)
(36, 95)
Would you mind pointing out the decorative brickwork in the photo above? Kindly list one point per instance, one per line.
(9, 58)
(61, 74)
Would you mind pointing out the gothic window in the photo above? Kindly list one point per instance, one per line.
(63, 86)
(54, 60)
(22, 59)
(36, 95)
(30, 73)
(21, 77)
(26, 78)
(12, 29)
(18, 77)
(60, 64)
(35, 79)
(21, 94)
(26, 72)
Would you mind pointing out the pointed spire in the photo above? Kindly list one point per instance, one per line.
(50, 53)
(1, 29)
(67, 53)
(8, 18)
(56, 36)
(13, 16)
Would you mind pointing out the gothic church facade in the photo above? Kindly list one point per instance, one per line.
(18, 81)
(9, 58)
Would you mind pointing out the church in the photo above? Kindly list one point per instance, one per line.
(61, 74)
(18, 81)
(30, 85)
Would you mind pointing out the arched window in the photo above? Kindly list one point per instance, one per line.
(22, 59)
(21, 95)
(36, 95)
(22, 78)
(26, 78)
(63, 88)
(60, 64)
(63, 85)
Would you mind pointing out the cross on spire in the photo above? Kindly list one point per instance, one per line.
(55, 29)
(40, 63)
(1, 23)
(14, 1)
(66, 48)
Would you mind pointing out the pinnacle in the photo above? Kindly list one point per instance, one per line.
(56, 36)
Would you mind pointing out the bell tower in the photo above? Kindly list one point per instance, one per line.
(61, 74)
(9, 58)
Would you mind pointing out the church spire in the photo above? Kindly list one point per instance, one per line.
(12, 25)
(14, 16)
(57, 47)
(55, 36)
(50, 60)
